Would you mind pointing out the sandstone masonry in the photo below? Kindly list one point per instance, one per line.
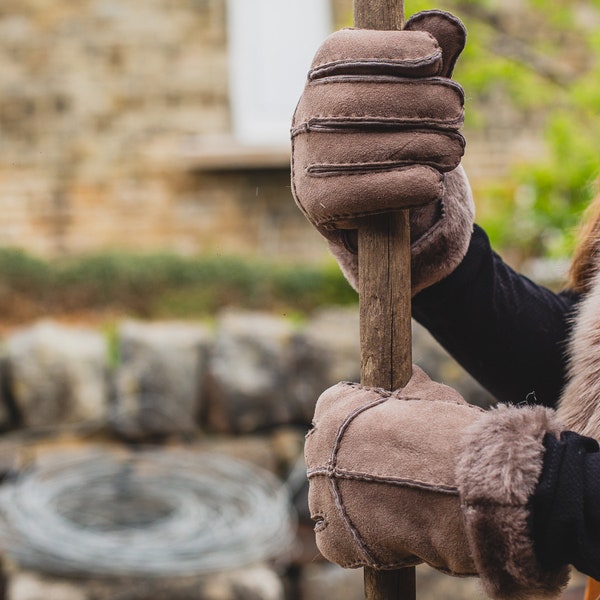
(111, 114)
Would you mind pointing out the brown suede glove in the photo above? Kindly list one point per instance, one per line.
(376, 130)
(419, 475)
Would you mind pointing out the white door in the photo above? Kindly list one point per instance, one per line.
(271, 45)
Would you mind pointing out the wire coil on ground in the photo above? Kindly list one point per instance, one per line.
(149, 513)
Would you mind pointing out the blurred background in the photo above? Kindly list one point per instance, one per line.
(147, 145)
(158, 285)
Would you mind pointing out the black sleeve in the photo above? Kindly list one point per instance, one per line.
(566, 505)
(506, 331)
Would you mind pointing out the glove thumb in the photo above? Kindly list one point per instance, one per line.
(447, 29)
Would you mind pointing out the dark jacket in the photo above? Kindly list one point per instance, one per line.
(513, 336)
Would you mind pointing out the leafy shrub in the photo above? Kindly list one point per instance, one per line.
(162, 285)
(544, 66)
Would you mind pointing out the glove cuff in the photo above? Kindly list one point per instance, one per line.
(500, 464)
(437, 252)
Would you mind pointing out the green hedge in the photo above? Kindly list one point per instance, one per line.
(162, 285)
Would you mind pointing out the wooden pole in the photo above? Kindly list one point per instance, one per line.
(384, 293)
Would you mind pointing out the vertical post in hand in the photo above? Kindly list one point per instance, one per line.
(384, 293)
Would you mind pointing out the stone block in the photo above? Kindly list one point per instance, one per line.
(58, 374)
(441, 367)
(325, 351)
(333, 333)
(256, 582)
(248, 382)
(265, 372)
(158, 384)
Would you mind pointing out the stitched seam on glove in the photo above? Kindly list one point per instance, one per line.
(293, 182)
(333, 122)
(447, 128)
(360, 168)
(341, 473)
(351, 528)
(412, 561)
(346, 423)
(398, 396)
(326, 69)
(394, 79)
(331, 220)
(425, 239)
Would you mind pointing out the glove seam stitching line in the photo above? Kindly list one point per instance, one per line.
(333, 482)
(430, 59)
(341, 473)
(452, 123)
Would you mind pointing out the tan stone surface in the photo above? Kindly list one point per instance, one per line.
(99, 103)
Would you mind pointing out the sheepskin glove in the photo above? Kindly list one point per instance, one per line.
(376, 130)
(419, 475)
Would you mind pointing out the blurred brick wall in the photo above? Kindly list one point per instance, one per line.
(86, 88)
(97, 100)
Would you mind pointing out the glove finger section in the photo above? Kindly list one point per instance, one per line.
(335, 153)
(349, 102)
(375, 459)
(368, 52)
(447, 29)
(335, 202)
(333, 404)
(335, 537)
(405, 424)
(401, 532)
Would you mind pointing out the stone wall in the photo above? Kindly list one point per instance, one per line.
(110, 112)
(248, 372)
(87, 88)
(245, 387)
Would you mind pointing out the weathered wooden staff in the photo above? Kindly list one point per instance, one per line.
(384, 293)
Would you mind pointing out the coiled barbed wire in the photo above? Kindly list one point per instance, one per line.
(152, 513)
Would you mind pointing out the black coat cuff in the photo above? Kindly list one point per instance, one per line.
(566, 505)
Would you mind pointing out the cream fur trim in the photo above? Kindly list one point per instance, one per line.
(500, 464)
(579, 405)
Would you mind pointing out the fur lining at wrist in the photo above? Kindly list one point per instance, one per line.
(440, 250)
(346, 259)
(500, 464)
(579, 405)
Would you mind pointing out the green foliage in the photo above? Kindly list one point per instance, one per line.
(539, 61)
(22, 269)
(162, 285)
(543, 65)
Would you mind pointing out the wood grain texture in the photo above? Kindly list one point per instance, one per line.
(384, 292)
(385, 585)
(379, 14)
